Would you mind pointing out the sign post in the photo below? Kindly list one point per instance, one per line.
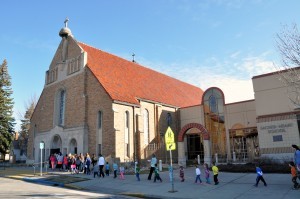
(170, 145)
(42, 144)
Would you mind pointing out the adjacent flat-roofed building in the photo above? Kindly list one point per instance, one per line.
(277, 115)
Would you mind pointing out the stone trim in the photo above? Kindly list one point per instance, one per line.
(276, 150)
(193, 125)
(277, 117)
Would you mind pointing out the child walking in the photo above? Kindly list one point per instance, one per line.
(215, 170)
(294, 175)
(207, 173)
(198, 173)
(96, 170)
(259, 176)
(181, 173)
(115, 168)
(107, 169)
(137, 172)
(156, 174)
(73, 167)
(122, 171)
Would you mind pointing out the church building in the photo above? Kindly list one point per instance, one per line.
(98, 103)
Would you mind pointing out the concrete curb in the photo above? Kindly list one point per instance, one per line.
(70, 186)
(44, 182)
(138, 195)
(148, 196)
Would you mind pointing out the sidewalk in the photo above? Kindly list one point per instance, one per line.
(232, 185)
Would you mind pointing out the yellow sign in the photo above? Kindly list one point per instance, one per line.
(170, 139)
(171, 146)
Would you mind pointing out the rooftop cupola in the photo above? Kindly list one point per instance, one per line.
(65, 31)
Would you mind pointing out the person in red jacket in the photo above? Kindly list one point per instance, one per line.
(53, 161)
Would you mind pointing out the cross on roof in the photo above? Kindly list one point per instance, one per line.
(66, 22)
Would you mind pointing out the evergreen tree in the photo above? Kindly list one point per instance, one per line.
(25, 125)
(6, 109)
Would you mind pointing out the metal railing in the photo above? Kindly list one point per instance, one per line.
(2, 165)
(38, 165)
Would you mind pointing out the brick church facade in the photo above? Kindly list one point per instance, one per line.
(95, 102)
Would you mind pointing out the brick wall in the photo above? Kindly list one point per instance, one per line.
(99, 100)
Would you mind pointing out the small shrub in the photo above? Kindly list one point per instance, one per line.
(267, 165)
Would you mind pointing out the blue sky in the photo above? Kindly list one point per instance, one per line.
(206, 43)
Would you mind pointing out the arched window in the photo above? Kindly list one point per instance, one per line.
(62, 100)
(146, 126)
(73, 146)
(99, 132)
(213, 104)
(127, 141)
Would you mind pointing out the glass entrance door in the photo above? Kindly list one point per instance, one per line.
(195, 147)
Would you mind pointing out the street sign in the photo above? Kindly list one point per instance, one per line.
(170, 140)
(42, 144)
(170, 145)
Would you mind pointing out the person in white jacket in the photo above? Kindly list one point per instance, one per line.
(153, 161)
(101, 163)
(198, 173)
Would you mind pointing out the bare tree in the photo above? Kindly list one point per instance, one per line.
(25, 125)
(288, 44)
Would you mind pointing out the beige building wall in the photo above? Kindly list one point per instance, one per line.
(276, 138)
(276, 117)
(270, 95)
(193, 114)
(158, 125)
(288, 129)
(119, 127)
(151, 108)
(242, 113)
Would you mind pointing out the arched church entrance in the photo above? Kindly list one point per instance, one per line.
(73, 146)
(56, 145)
(193, 140)
(194, 143)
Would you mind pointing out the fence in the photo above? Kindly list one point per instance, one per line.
(37, 167)
(2, 165)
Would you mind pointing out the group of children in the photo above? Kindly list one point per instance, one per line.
(215, 171)
(293, 173)
(115, 167)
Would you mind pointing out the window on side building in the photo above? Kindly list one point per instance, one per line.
(146, 127)
(127, 141)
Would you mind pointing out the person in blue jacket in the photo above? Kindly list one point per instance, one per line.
(259, 176)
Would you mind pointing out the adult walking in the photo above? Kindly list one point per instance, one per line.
(297, 158)
(153, 161)
(101, 163)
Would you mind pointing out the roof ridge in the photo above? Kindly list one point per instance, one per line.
(103, 51)
(140, 65)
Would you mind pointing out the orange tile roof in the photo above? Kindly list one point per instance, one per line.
(127, 81)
